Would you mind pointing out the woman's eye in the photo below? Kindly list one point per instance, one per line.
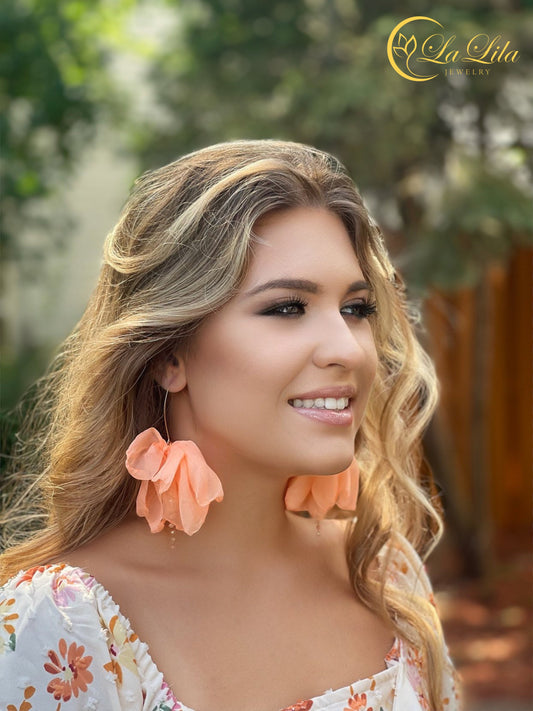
(360, 309)
(297, 307)
(288, 308)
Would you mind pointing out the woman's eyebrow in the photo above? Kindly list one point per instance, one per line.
(303, 285)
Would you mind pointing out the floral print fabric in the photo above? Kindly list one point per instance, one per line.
(65, 646)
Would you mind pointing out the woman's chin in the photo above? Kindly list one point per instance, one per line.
(326, 466)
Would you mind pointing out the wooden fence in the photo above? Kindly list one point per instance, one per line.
(482, 342)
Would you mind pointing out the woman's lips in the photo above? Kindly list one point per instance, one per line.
(330, 417)
(328, 391)
(330, 404)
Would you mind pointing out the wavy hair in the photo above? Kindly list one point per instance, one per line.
(178, 253)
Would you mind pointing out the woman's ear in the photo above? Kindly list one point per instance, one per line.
(170, 374)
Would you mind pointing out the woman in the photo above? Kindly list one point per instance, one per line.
(246, 367)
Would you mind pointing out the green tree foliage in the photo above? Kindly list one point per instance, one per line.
(444, 161)
(53, 87)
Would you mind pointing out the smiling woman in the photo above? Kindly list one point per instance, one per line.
(245, 378)
(294, 331)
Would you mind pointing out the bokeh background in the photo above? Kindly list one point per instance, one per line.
(93, 92)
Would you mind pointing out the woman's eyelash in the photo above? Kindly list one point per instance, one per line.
(295, 306)
(362, 309)
(289, 306)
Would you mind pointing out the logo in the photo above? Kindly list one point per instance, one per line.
(429, 51)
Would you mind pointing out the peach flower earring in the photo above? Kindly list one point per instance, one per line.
(177, 485)
(318, 494)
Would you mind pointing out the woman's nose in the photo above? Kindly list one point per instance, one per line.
(342, 344)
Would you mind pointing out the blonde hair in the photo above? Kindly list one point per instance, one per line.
(178, 253)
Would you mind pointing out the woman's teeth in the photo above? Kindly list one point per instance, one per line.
(322, 403)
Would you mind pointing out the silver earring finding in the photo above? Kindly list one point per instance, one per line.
(165, 416)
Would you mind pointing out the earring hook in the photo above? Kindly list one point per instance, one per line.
(165, 416)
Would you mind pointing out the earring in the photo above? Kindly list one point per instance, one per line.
(319, 494)
(177, 484)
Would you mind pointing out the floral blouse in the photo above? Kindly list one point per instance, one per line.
(65, 646)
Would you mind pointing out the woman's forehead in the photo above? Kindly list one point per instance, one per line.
(306, 239)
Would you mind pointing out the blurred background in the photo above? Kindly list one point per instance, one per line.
(93, 92)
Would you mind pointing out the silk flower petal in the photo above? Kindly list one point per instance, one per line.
(318, 494)
(204, 482)
(349, 487)
(146, 454)
(150, 506)
(177, 484)
(198, 487)
(192, 514)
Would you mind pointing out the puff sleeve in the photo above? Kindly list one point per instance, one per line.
(406, 571)
(63, 647)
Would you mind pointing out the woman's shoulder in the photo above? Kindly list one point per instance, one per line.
(56, 585)
(405, 568)
(62, 638)
(41, 576)
(50, 606)
(49, 622)
(43, 588)
(398, 560)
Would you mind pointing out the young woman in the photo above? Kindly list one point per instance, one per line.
(245, 371)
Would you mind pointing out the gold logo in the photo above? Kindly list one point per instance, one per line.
(429, 49)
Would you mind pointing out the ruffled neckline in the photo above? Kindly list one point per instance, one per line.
(151, 675)
(144, 657)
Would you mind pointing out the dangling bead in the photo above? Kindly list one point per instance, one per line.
(172, 530)
(318, 528)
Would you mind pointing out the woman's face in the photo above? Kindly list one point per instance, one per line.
(279, 378)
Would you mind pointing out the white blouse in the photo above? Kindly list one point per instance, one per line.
(66, 646)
